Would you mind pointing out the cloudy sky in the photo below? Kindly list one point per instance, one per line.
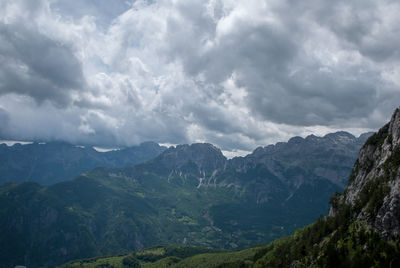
(237, 74)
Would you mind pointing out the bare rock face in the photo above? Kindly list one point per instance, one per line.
(374, 185)
(205, 156)
(388, 218)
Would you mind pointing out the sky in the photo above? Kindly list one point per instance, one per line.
(238, 74)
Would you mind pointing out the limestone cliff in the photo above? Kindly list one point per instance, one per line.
(374, 185)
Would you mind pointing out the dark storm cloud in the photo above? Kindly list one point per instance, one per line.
(35, 65)
(366, 26)
(236, 73)
(4, 119)
(103, 10)
(213, 118)
(311, 96)
(285, 82)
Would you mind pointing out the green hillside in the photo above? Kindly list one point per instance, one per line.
(172, 256)
(190, 195)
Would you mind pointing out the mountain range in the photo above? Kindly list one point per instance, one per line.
(187, 195)
(362, 228)
(52, 162)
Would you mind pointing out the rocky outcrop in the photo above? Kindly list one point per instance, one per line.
(374, 185)
(284, 172)
(302, 160)
(206, 157)
(387, 220)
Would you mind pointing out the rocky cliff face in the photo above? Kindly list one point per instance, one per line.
(374, 185)
(303, 160)
(297, 171)
(206, 157)
(281, 173)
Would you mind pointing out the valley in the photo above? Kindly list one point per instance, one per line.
(361, 229)
(189, 195)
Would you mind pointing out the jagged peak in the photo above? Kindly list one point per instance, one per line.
(339, 137)
(205, 155)
(295, 140)
(340, 134)
(195, 147)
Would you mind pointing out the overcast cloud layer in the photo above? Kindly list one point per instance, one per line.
(234, 73)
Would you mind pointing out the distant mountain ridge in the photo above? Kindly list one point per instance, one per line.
(361, 230)
(49, 163)
(339, 149)
(292, 164)
(187, 195)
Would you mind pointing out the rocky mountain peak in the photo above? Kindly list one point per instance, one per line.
(304, 160)
(206, 156)
(374, 185)
(343, 136)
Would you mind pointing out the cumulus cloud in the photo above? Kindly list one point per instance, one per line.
(235, 73)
